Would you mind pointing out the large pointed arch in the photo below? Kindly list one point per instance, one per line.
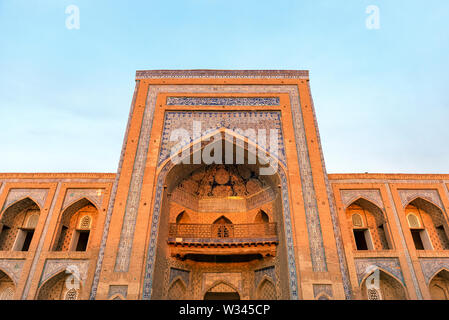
(168, 169)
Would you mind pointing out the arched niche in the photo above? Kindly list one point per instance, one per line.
(266, 290)
(368, 226)
(75, 226)
(17, 225)
(222, 291)
(62, 286)
(177, 290)
(427, 224)
(389, 288)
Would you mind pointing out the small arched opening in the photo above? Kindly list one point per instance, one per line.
(368, 226)
(221, 291)
(385, 287)
(75, 226)
(62, 286)
(427, 224)
(439, 286)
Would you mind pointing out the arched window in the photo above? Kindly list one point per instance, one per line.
(19, 222)
(418, 229)
(76, 223)
(368, 225)
(223, 228)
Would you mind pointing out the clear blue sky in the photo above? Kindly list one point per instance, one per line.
(381, 96)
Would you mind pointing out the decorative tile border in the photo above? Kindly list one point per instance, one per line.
(404, 245)
(183, 274)
(13, 268)
(349, 196)
(428, 194)
(222, 101)
(112, 197)
(390, 265)
(244, 74)
(317, 252)
(430, 266)
(14, 195)
(133, 199)
(73, 195)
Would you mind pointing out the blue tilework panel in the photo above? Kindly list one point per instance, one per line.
(225, 101)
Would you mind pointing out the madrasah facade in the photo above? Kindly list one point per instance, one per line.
(222, 192)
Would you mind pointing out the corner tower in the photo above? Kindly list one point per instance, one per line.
(221, 193)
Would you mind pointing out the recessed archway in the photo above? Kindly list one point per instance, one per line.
(368, 225)
(439, 286)
(62, 286)
(427, 224)
(220, 190)
(76, 223)
(17, 225)
(389, 288)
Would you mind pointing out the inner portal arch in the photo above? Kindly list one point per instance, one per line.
(206, 192)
